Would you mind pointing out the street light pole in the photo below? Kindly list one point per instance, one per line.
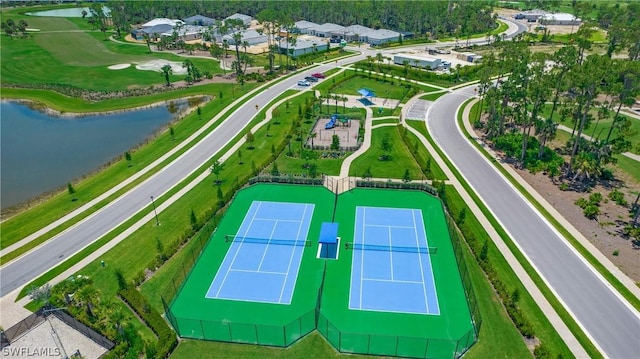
(154, 211)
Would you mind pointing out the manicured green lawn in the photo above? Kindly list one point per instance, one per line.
(381, 89)
(600, 129)
(400, 161)
(81, 59)
(432, 96)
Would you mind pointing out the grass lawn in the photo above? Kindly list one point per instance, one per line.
(385, 112)
(381, 89)
(81, 59)
(429, 166)
(433, 96)
(600, 129)
(385, 120)
(400, 161)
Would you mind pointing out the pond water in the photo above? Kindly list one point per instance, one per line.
(40, 152)
(68, 12)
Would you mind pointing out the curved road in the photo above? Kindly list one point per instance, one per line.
(610, 321)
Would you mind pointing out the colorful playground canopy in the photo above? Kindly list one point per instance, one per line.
(366, 93)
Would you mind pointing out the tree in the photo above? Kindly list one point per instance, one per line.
(367, 174)
(216, 169)
(193, 219)
(216, 51)
(240, 157)
(249, 138)
(72, 191)
(386, 146)
(127, 156)
(335, 142)
(147, 40)
(312, 135)
(167, 71)
(172, 133)
(274, 170)
(406, 178)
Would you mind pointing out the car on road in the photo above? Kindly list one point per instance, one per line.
(303, 83)
(311, 79)
(318, 75)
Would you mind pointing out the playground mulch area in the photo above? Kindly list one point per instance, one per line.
(347, 132)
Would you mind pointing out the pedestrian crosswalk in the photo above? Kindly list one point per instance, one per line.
(418, 110)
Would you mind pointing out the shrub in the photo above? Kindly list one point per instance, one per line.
(591, 211)
(595, 198)
(582, 203)
(617, 197)
(564, 186)
(616, 253)
(167, 340)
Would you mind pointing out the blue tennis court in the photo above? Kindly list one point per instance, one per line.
(263, 260)
(391, 267)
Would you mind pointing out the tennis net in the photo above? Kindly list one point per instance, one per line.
(376, 247)
(280, 242)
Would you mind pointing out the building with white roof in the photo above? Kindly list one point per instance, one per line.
(559, 19)
(302, 26)
(302, 47)
(329, 30)
(246, 19)
(382, 36)
(199, 20)
(251, 36)
(162, 21)
(418, 61)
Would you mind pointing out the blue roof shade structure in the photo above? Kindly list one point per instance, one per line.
(366, 93)
(328, 233)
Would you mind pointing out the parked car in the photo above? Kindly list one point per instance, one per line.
(303, 83)
(311, 79)
(318, 75)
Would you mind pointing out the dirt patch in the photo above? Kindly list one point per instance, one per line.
(605, 232)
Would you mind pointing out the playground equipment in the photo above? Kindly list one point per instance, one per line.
(334, 118)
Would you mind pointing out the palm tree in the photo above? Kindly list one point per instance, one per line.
(87, 295)
(545, 130)
(312, 135)
(344, 104)
(147, 39)
(379, 60)
(225, 46)
(167, 71)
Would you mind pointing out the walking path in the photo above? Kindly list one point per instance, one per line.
(633, 156)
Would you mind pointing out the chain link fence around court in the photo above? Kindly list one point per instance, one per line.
(346, 342)
(401, 346)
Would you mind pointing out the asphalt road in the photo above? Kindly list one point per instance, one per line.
(28, 267)
(614, 326)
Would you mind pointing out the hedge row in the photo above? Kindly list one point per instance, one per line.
(167, 340)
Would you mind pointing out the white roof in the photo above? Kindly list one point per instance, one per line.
(301, 44)
(417, 57)
(161, 21)
(561, 16)
(359, 29)
(534, 12)
(383, 34)
(328, 27)
(304, 24)
(238, 16)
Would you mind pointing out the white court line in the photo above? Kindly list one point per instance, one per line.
(237, 251)
(390, 253)
(364, 212)
(391, 281)
(385, 226)
(266, 247)
(424, 289)
(253, 271)
(276, 219)
(433, 279)
(284, 284)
